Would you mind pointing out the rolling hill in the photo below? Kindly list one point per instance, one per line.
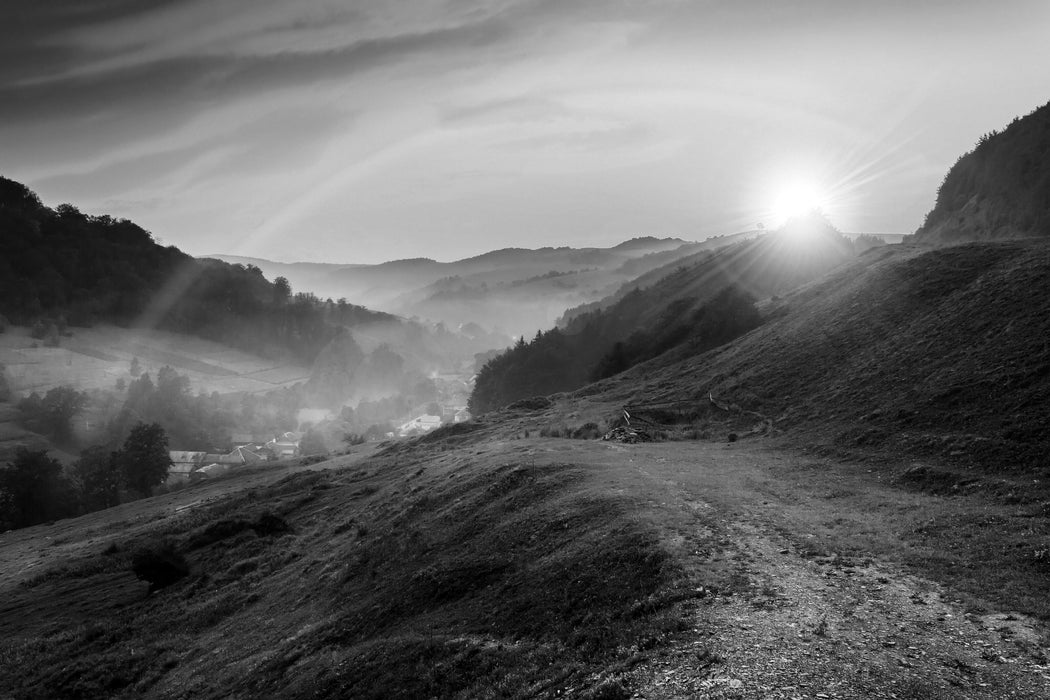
(514, 290)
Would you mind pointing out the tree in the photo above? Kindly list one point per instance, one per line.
(98, 478)
(143, 461)
(135, 369)
(172, 387)
(312, 444)
(282, 290)
(32, 489)
(5, 388)
(58, 407)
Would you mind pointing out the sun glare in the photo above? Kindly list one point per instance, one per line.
(797, 199)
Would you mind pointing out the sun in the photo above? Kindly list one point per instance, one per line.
(797, 199)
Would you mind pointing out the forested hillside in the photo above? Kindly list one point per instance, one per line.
(699, 306)
(60, 267)
(1000, 189)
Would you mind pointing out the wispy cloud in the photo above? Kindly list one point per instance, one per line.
(441, 121)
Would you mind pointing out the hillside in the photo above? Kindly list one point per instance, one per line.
(486, 562)
(1000, 189)
(939, 354)
(60, 267)
(699, 306)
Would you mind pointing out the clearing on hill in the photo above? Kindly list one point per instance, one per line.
(95, 358)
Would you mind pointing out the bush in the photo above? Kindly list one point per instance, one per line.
(587, 431)
(534, 403)
(160, 564)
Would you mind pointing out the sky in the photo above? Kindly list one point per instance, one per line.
(358, 132)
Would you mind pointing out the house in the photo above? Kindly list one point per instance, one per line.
(281, 448)
(184, 465)
(419, 424)
(238, 456)
(245, 455)
(247, 439)
(461, 416)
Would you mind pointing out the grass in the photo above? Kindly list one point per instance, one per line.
(404, 580)
(95, 357)
(969, 539)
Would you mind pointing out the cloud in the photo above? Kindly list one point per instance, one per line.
(268, 119)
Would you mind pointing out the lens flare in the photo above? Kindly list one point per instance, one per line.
(797, 199)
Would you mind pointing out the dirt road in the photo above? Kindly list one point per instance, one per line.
(825, 608)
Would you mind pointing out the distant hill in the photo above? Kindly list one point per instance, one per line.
(938, 353)
(515, 290)
(1001, 189)
(707, 300)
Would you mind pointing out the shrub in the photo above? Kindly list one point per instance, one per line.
(587, 431)
(160, 564)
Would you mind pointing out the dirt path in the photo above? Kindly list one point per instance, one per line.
(825, 609)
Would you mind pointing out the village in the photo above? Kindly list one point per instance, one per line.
(188, 466)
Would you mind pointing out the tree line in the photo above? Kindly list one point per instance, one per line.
(600, 345)
(34, 488)
(60, 267)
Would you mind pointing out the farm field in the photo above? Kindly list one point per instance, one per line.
(95, 358)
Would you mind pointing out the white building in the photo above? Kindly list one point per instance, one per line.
(419, 424)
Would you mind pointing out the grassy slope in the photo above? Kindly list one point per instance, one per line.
(941, 353)
(426, 573)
